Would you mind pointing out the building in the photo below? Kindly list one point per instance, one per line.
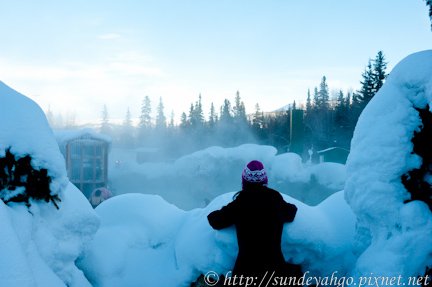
(86, 156)
(333, 154)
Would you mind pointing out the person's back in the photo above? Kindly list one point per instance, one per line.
(258, 214)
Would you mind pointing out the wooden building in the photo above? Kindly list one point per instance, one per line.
(86, 155)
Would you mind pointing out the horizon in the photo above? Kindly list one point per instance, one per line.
(73, 58)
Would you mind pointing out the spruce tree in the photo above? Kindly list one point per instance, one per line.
(160, 116)
(366, 91)
(183, 121)
(145, 117)
(316, 100)
(198, 113)
(308, 103)
(225, 115)
(127, 137)
(378, 72)
(429, 3)
(239, 111)
(323, 95)
(213, 116)
(171, 122)
(105, 127)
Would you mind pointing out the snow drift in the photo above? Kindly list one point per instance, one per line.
(145, 241)
(40, 243)
(393, 238)
(195, 179)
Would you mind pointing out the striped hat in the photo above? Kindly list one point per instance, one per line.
(254, 173)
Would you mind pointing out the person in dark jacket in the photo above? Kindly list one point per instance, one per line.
(258, 213)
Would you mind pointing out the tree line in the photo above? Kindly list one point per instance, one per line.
(329, 120)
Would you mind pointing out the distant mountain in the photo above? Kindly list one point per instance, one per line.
(282, 109)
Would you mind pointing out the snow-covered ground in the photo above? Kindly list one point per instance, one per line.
(140, 239)
(145, 241)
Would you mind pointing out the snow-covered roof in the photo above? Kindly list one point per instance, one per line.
(64, 136)
(332, 148)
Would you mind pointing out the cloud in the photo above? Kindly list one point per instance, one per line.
(109, 36)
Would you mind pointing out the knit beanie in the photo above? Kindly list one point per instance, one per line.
(254, 173)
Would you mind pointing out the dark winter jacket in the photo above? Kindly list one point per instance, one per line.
(258, 214)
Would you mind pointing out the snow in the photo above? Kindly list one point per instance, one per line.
(393, 238)
(195, 179)
(40, 244)
(64, 136)
(157, 234)
(23, 122)
(145, 241)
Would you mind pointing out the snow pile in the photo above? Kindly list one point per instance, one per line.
(194, 180)
(25, 131)
(145, 241)
(39, 244)
(393, 238)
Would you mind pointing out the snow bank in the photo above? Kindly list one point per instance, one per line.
(25, 130)
(194, 180)
(393, 238)
(39, 244)
(145, 241)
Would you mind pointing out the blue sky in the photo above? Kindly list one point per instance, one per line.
(76, 56)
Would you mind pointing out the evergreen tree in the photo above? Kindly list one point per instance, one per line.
(128, 119)
(183, 121)
(239, 111)
(160, 116)
(225, 114)
(198, 113)
(366, 91)
(213, 116)
(105, 127)
(127, 130)
(379, 72)
(316, 100)
(308, 103)
(323, 95)
(429, 3)
(145, 117)
(171, 122)
(348, 102)
(258, 119)
(191, 116)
